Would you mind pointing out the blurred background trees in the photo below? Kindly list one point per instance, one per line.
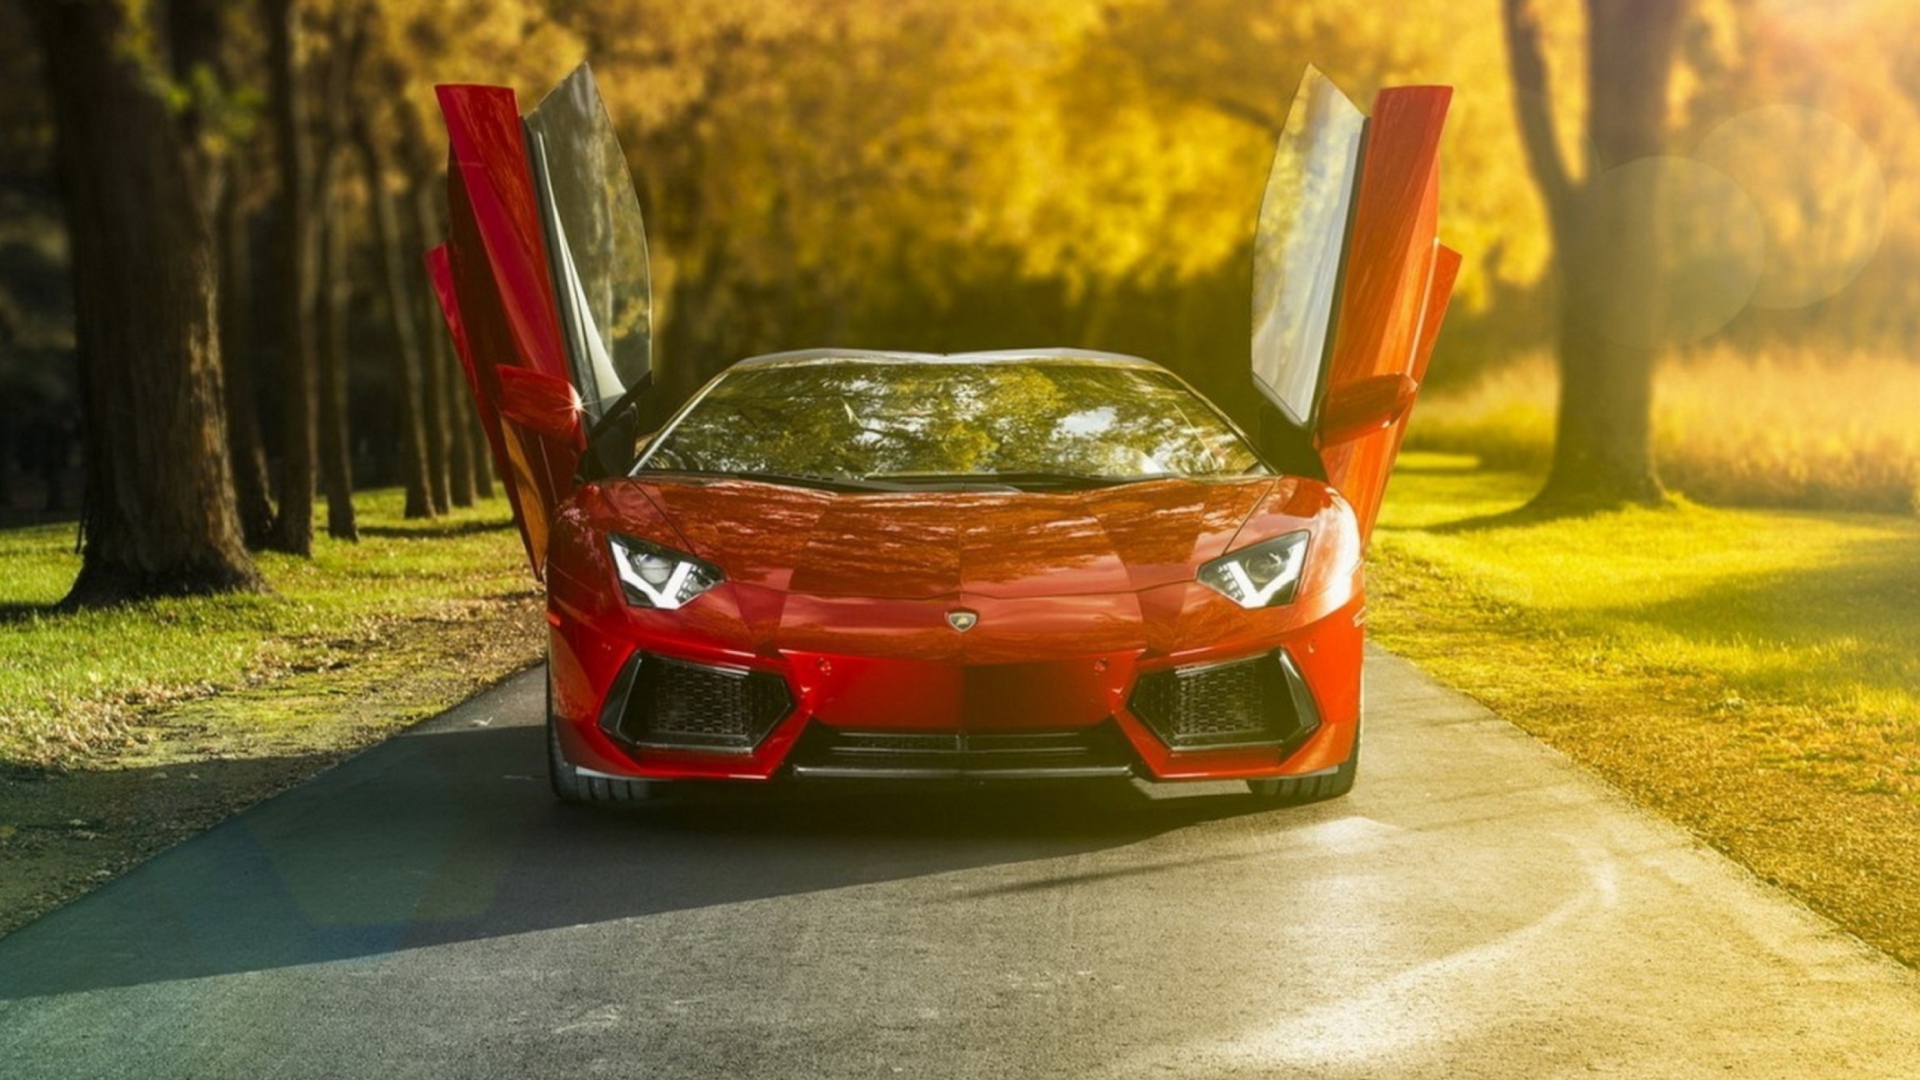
(921, 174)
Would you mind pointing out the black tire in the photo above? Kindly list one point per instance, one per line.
(570, 787)
(1317, 787)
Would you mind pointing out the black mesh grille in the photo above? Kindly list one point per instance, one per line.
(1261, 701)
(662, 702)
(1095, 751)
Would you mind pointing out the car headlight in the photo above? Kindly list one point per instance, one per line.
(1260, 575)
(653, 576)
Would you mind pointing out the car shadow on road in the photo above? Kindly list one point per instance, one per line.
(443, 836)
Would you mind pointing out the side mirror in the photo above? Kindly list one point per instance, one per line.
(1364, 407)
(540, 403)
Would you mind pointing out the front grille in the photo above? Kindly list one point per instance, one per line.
(662, 703)
(1261, 701)
(1084, 752)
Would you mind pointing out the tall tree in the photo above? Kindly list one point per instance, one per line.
(438, 382)
(336, 464)
(159, 511)
(252, 491)
(437, 410)
(477, 451)
(346, 41)
(1605, 240)
(464, 446)
(299, 385)
(396, 278)
(417, 227)
(220, 124)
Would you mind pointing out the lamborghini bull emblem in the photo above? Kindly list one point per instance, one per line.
(961, 619)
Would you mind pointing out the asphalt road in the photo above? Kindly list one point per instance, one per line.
(1478, 907)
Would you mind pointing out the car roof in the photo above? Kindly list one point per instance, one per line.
(800, 357)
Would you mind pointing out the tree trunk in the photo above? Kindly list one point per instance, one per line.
(1605, 244)
(248, 449)
(479, 453)
(195, 33)
(159, 512)
(459, 449)
(334, 284)
(467, 451)
(454, 481)
(293, 532)
(1603, 445)
(438, 403)
(393, 274)
(336, 465)
(436, 412)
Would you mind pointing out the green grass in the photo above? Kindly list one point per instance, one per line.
(1815, 617)
(80, 687)
(1754, 674)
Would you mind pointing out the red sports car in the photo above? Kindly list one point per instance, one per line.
(1022, 564)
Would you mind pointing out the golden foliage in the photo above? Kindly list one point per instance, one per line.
(821, 170)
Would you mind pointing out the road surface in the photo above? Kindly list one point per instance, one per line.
(1478, 907)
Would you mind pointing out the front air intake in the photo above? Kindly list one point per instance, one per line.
(829, 752)
(660, 703)
(1261, 701)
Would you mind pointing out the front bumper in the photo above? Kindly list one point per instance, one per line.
(670, 706)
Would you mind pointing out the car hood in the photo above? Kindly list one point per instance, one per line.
(921, 545)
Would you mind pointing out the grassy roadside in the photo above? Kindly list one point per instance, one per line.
(122, 732)
(1754, 675)
(1792, 430)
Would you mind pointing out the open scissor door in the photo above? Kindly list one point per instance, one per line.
(1350, 282)
(597, 257)
(543, 281)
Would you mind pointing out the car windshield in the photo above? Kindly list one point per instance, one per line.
(928, 421)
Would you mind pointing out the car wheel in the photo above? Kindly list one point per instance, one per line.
(570, 787)
(1319, 787)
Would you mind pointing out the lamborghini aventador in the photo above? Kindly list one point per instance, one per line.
(1033, 563)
